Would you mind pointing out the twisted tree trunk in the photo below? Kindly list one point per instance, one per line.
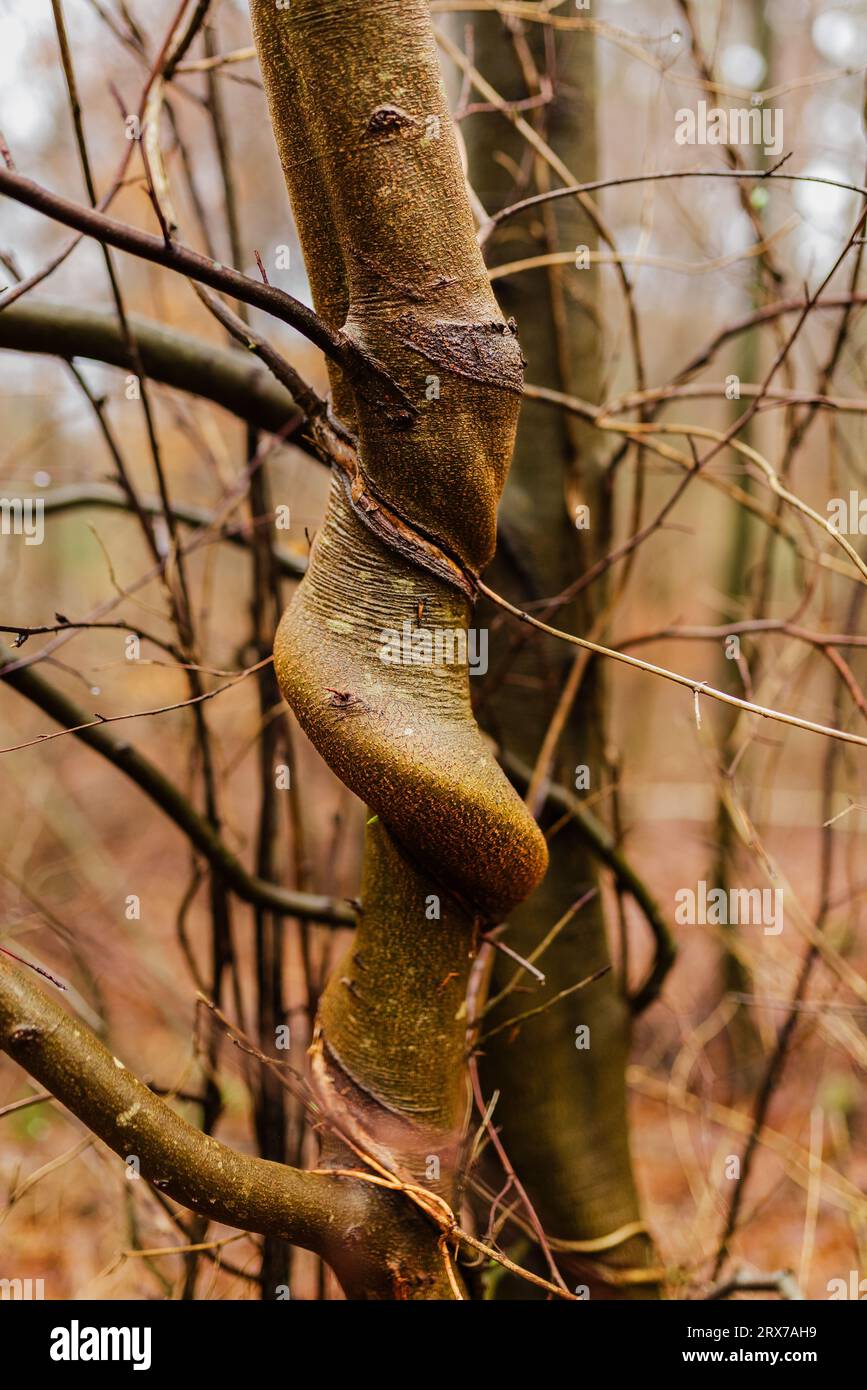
(372, 169)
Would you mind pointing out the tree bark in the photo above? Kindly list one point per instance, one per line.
(567, 1137)
(372, 168)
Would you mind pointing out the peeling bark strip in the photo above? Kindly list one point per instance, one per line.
(379, 197)
(394, 533)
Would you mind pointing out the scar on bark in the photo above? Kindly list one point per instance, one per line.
(389, 122)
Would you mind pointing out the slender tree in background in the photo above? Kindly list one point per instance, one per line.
(567, 1139)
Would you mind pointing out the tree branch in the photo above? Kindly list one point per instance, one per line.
(698, 688)
(61, 1052)
(238, 383)
(30, 683)
(367, 375)
(67, 499)
(603, 845)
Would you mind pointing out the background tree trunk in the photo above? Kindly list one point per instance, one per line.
(567, 1135)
